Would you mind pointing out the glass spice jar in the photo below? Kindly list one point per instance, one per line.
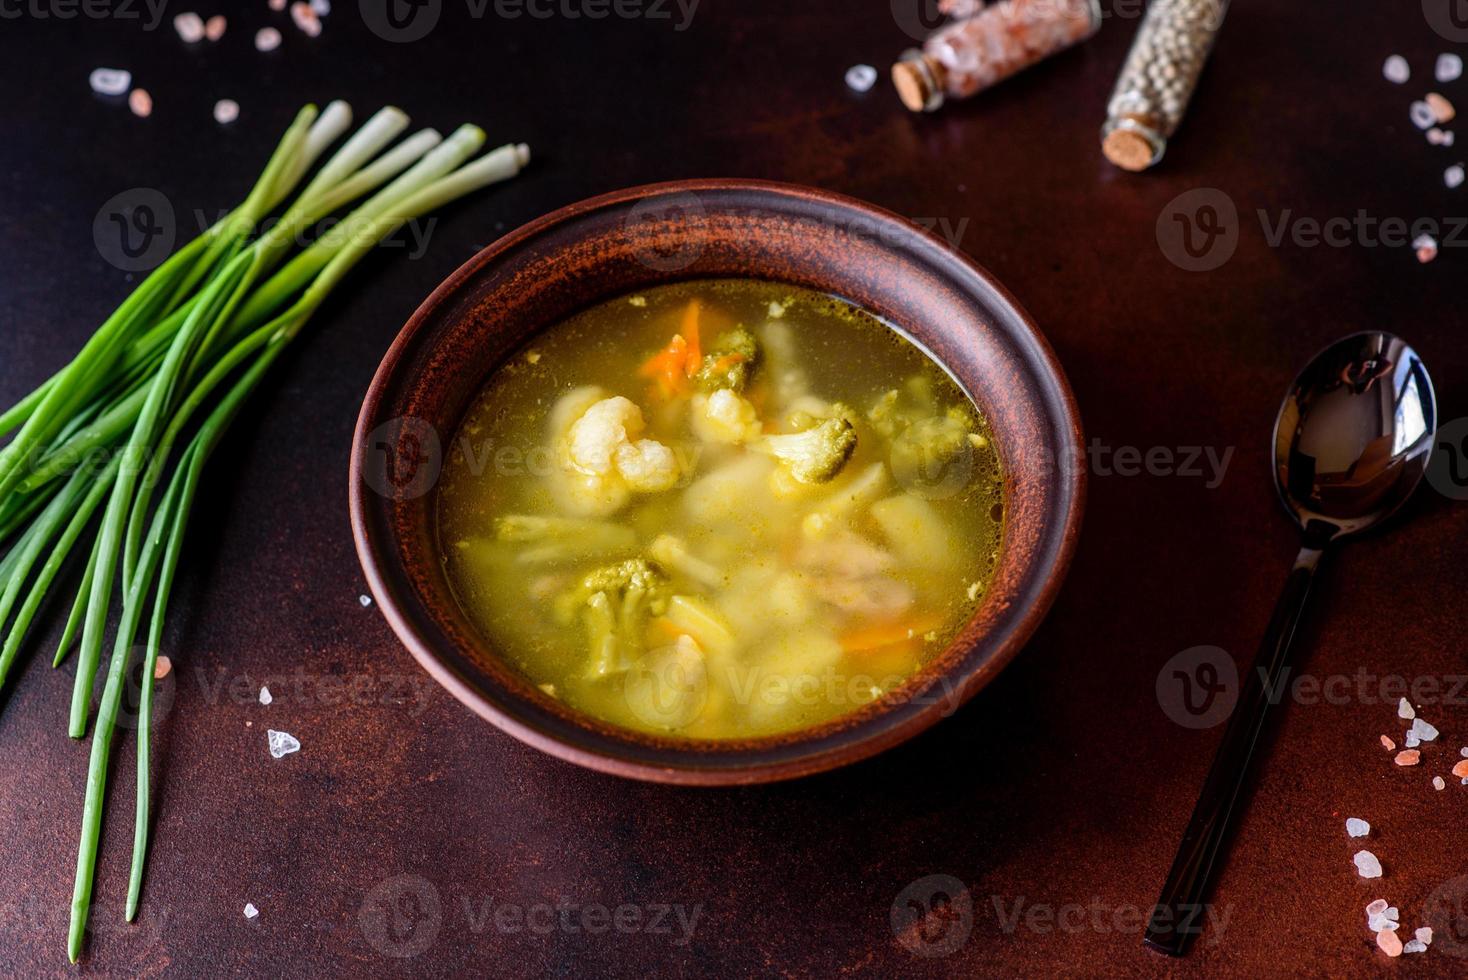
(968, 56)
(1158, 78)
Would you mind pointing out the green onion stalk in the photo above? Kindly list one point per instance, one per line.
(146, 401)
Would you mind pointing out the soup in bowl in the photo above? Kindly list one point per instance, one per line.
(716, 482)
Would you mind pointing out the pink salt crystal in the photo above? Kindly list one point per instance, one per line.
(1387, 743)
(1461, 769)
(161, 667)
(1437, 783)
(140, 102)
(1377, 907)
(1408, 757)
(277, 5)
(1389, 943)
(214, 27)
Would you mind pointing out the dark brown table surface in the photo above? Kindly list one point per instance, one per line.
(407, 826)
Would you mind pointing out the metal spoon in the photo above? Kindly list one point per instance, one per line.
(1351, 442)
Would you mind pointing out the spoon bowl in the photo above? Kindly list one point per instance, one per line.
(1354, 435)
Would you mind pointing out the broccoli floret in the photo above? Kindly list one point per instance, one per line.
(730, 363)
(549, 540)
(926, 447)
(614, 603)
(815, 455)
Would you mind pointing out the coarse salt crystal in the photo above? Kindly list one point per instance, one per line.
(861, 78)
(1449, 68)
(1438, 783)
(1367, 865)
(1424, 935)
(305, 19)
(281, 743)
(1357, 827)
(1422, 117)
(1408, 757)
(1414, 946)
(1389, 943)
(1424, 729)
(1376, 907)
(321, 7)
(1411, 740)
(110, 81)
(1405, 709)
(1442, 109)
(1463, 751)
(267, 39)
(1440, 137)
(250, 910)
(1453, 176)
(1387, 743)
(1381, 921)
(226, 111)
(366, 600)
(1395, 69)
(277, 5)
(1461, 769)
(190, 27)
(265, 696)
(1426, 248)
(161, 667)
(214, 27)
(140, 102)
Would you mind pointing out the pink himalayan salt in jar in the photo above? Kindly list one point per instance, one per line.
(968, 56)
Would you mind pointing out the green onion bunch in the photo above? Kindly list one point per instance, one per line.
(105, 457)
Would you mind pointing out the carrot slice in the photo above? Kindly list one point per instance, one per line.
(881, 635)
(690, 334)
(668, 367)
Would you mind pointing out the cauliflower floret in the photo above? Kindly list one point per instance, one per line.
(647, 466)
(602, 429)
(725, 417)
(602, 459)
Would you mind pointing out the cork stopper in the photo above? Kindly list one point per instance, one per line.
(1131, 144)
(919, 81)
(1128, 150)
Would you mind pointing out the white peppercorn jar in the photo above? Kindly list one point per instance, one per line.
(1158, 79)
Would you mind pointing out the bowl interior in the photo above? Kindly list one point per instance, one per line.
(634, 239)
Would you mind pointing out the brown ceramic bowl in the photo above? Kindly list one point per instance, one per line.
(638, 238)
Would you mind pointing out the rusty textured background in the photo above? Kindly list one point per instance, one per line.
(389, 842)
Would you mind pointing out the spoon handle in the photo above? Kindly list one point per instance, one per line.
(1179, 914)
